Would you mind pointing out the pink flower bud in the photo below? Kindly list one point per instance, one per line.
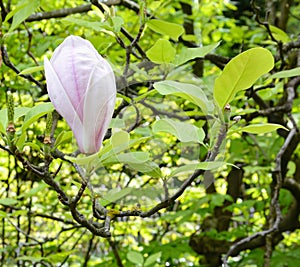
(81, 85)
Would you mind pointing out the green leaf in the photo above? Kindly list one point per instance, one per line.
(135, 257)
(241, 73)
(115, 194)
(24, 11)
(161, 52)
(286, 73)
(198, 166)
(20, 141)
(84, 160)
(35, 113)
(152, 259)
(279, 34)
(150, 168)
(117, 123)
(187, 54)
(94, 25)
(138, 157)
(262, 128)
(63, 137)
(185, 132)
(120, 139)
(8, 201)
(166, 28)
(117, 23)
(187, 91)
(31, 70)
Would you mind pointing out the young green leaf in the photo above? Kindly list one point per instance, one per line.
(166, 28)
(8, 201)
(138, 157)
(31, 70)
(187, 91)
(279, 34)
(152, 259)
(187, 54)
(286, 73)
(25, 10)
(262, 128)
(114, 195)
(135, 257)
(161, 52)
(197, 166)
(120, 139)
(35, 113)
(63, 137)
(150, 168)
(185, 132)
(241, 73)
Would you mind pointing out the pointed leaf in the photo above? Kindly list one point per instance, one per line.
(35, 113)
(31, 70)
(24, 12)
(135, 257)
(115, 194)
(128, 158)
(197, 166)
(262, 128)
(185, 132)
(8, 201)
(241, 73)
(152, 259)
(286, 73)
(150, 168)
(161, 52)
(63, 137)
(187, 91)
(166, 28)
(187, 54)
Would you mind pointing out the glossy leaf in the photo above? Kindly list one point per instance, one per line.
(166, 28)
(187, 91)
(241, 73)
(185, 132)
(161, 52)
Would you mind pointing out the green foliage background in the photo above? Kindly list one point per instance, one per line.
(169, 59)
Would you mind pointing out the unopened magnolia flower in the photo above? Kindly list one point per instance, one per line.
(81, 86)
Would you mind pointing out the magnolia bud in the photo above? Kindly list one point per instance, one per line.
(81, 86)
